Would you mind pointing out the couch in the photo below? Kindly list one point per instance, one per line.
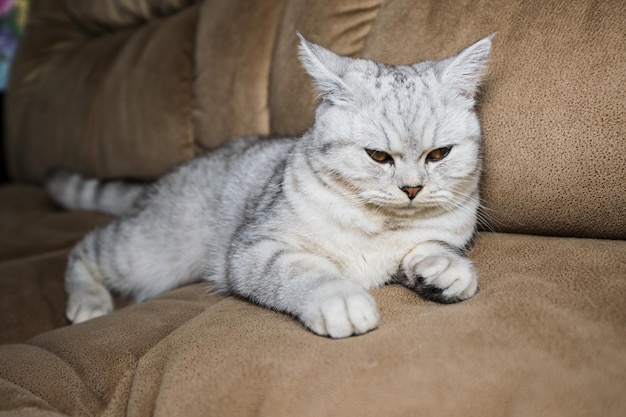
(130, 88)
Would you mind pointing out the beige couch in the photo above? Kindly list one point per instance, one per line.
(131, 87)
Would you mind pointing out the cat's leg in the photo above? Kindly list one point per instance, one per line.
(87, 296)
(85, 282)
(439, 273)
(304, 285)
(132, 257)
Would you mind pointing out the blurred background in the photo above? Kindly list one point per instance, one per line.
(12, 23)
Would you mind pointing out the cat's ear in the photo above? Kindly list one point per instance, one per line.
(326, 69)
(464, 71)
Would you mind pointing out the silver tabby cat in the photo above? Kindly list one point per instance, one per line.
(382, 188)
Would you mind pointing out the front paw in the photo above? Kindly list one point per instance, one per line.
(439, 274)
(340, 309)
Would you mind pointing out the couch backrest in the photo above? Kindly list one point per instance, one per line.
(129, 88)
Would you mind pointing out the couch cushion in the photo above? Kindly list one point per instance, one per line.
(119, 104)
(146, 84)
(75, 381)
(235, 40)
(104, 16)
(544, 336)
(31, 225)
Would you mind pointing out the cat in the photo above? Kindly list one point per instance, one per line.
(384, 187)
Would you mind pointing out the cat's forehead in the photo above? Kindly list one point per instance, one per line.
(392, 77)
(404, 92)
(403, 106)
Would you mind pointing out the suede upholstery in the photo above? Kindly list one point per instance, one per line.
(132, 87)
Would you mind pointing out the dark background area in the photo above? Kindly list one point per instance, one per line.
(3, 170)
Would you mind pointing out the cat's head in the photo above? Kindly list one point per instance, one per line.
(401, 138)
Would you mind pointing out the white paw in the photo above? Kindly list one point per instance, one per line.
(85, 304)
(439, 274)
(340, 309)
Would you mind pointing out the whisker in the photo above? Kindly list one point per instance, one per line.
(486, 217)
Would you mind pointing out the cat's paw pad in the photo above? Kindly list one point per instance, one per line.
(83, 305)
(441, 276)
(340, 309)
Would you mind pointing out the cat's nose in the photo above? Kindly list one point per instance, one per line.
(412, 190)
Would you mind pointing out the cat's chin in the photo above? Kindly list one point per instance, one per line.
(412, 209)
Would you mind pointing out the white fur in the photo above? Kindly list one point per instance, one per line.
(305, 226)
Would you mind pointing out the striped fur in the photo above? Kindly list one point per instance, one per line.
(74, 192)
(384, 186)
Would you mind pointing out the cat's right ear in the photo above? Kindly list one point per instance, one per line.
(326, 69)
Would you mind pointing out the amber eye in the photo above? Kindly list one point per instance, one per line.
(380, 156)
(438, 154)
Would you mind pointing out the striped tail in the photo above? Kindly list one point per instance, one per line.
(74, 192)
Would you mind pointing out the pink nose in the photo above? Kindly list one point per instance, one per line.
(412, 191)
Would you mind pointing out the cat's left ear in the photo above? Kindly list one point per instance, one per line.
(464, 71)
(326, 69)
